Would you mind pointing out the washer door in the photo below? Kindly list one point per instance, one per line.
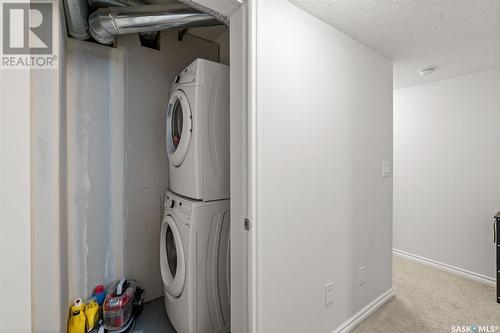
(172, 263)
(179, 127)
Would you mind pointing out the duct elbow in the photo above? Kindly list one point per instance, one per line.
(76, 12)
(101, 27)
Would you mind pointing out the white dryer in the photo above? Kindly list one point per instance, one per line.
(194, 260)
(197, 132)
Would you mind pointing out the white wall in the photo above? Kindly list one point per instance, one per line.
(30, 260)
(324, 127)
(15, 214)
(47, 189)
(447, 170)
(149, 74)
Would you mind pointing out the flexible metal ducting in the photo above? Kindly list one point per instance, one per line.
(106, 23)
(222, 18)
(77, 14)
(115, 3)
(148, 38)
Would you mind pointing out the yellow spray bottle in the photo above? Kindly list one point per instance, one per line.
(76, 323)
(91, 313)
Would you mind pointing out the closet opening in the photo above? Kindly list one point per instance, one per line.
(155, 164)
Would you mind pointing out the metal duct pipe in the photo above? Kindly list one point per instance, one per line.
(115, 3)
(147, 37)
(222, 18)
(106, 23)
(77, 14)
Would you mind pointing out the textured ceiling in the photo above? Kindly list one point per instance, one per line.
(457, 36)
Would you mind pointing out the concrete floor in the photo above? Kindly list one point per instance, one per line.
(432, 300)
(153, 319)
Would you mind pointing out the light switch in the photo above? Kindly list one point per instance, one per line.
(329, 293)
(386, 169)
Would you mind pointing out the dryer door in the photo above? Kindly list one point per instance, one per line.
(172, 262)
(179, 127)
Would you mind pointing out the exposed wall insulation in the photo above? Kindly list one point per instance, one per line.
(149, 74)
(95, 167)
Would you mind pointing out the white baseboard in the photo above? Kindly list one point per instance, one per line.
(355, 320)
(449, 268)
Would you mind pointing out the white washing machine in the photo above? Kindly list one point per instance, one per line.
(194, 260)
(197, 132)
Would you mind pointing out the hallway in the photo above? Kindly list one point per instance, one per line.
(431, 300)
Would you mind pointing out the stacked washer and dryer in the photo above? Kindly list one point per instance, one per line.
(194, 245)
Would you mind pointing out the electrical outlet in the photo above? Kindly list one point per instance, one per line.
(361, 275)
(328, 293)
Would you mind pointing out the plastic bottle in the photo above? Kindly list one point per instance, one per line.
(91, 312)
(76, 323)
(99, 293)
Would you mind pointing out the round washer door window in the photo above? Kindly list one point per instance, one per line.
(179, 127)
(171, 250)
(172, 264)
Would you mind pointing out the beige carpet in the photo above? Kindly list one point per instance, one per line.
(431, 300)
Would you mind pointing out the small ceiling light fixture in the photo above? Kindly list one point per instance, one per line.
(427, 71)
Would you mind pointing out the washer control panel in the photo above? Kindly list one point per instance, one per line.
(169, 202)
(179, 206)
